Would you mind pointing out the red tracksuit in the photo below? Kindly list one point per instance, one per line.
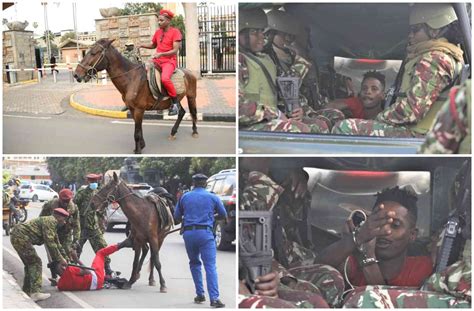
(164, 43)
(71, 279)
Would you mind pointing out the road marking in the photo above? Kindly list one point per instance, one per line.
(26, 117)
(182, 125)
(73, 297)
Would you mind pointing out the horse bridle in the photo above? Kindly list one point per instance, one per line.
(94, 71)
(110, 197)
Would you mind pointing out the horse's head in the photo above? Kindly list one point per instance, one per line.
(106, 195)
(94, 61)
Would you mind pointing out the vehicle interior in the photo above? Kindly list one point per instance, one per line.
(339, 186)
(345, 40)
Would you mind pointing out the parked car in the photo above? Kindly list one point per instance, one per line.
(223, 185)
(115, 215)
(35, 192)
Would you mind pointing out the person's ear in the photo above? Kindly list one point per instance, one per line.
(413, 234)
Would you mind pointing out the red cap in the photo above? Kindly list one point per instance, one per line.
(93, 176)
(66, 194)
(61, 212)
(167, 13)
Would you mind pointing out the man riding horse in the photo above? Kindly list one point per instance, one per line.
(167, 41)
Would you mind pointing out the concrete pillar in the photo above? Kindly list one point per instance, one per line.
(192, 38)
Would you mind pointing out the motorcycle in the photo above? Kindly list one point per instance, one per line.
(21, 206)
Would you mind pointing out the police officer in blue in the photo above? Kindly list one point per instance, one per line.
(196, 209)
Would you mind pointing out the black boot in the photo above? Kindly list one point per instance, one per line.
(199, 299)
(217, 304)
(174, 108)
(125, 243)
(108, 271)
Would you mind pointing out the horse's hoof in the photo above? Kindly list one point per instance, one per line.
(163, 289)
(195, 135)
(142, 145)
(171, 138)
(137, 151)
(151, 283)
(127, 286)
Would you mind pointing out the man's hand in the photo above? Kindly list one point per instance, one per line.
(297, 114)
(377, 224)
(267, 285)
(157, 55)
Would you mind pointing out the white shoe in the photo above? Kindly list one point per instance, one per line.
(39, 296)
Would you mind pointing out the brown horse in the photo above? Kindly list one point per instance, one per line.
(149, 225)
(131, 81)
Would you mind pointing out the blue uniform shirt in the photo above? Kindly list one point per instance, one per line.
(198, 208)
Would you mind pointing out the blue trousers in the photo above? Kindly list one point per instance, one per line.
(200, 245)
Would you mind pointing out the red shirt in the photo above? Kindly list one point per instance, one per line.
(164, 43)
(356, 107)
(414, 272)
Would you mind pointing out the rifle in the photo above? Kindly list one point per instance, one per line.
(457, 228)
(289, 90)
(255, 244)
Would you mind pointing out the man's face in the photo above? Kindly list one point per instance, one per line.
(256, 40)
(403, 232)
(64, 203)
(163, 21)
(371, 93)
(61, 220)
(283, 39)
(417, 34)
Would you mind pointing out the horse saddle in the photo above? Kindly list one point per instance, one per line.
(157, 89)
(162, 207)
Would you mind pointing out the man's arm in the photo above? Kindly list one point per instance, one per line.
(148, 46)
(46, 210)
(176, 47)
(178, 213)
(220, 207)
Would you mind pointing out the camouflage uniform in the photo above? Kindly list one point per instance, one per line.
(451, 131)
(36, 232)
(70, 233)
(260, 192)
(260, 113)
(132, 56)
(430, 67)
(90, 223)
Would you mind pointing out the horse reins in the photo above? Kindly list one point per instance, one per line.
(101, 57)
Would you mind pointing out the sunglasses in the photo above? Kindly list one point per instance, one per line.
(415, 28)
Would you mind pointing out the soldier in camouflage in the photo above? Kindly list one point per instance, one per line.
(131, 54)
(298, 273)
(258, 93)
(432, 64)
(70, 233)
(41, 230)
(451, 131)
(92, 221)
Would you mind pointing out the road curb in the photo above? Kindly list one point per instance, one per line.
(97, 112)
(17, 297)
(153, 115)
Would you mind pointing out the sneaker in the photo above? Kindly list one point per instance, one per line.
(53, 281)
(39, 296)
(199, 299)
(173, 110)
(217, 304)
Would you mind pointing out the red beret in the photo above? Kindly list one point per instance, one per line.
(66, 194)
(167, 13)
(94, 176)
(61, 212)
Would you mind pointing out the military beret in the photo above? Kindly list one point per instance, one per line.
(167, 13)
(94, 176)
(66, 194)
(61, 212)
(199, 177)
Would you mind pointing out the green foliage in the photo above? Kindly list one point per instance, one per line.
(68, 35)
(132, 8)
(210, 166)
(6, 177)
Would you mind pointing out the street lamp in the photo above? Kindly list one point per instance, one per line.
(48, 42)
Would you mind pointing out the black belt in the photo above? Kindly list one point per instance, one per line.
(197, 227)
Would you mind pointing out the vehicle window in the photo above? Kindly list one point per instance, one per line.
(334, 194)
(228, 187)
(25, 187)
(210, 185)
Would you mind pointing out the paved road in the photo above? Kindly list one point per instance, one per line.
(175, 269)
(73, 134)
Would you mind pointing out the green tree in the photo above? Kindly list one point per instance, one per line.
(68, 35)
(6, 177)
(210, 166)
(132, 8)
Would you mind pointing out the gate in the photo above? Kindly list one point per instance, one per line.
(217, 38)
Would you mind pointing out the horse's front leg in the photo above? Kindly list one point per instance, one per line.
(174, 130)
(138, 135)
(134, 276)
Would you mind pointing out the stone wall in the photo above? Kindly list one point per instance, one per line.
(137, 28)
(18, 53)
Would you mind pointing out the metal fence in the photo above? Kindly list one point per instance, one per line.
(217, 39)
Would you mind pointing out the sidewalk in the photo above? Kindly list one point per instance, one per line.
(215, 101)
(13, 296)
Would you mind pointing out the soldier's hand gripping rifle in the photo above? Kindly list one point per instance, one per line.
(255, 245)
(458, 226)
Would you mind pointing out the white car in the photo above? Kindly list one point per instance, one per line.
(35, 192)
